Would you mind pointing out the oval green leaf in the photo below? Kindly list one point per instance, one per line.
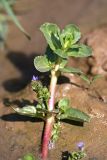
(27, 110)
(41, 64)
(51, 32)
(75, 114)
(79, 50)
(30, 111)
(71, 70)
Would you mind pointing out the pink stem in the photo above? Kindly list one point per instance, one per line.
(46, 137)
(52, 91)
(50, 120)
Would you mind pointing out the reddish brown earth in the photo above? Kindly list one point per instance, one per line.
(20, 135)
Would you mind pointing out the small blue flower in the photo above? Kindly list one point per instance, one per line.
(35, 78)
(81, 145)
(51, 145)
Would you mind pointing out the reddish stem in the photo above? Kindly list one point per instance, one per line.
(50, 120)
(46, 137)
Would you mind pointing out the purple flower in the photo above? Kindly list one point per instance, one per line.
(35, 78)
(81, 145)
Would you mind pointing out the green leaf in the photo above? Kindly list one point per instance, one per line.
(9, 11)
(76, 71)
(27, 110)
(3, 30)
(61, 53)
(63, 63)
(30, 111)
(10, 2)
(79, 50)
(51, 56)
(29, 157)
(75, 114)
(85, 78)
(70, 35)
(51, 33)
(63, 104)
(41, 64)
(71, 70)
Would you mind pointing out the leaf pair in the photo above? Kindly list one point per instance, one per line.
(42, 64)
(45, 64)
(67, 112)
(64, 43)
